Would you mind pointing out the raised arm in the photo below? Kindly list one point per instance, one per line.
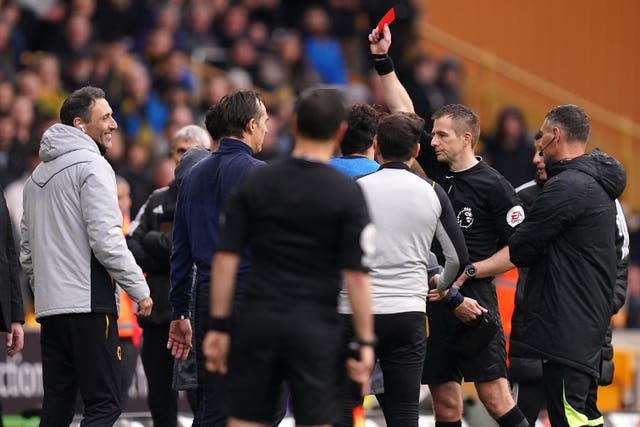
(395, 95)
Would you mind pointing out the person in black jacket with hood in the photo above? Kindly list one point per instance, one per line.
(11, 310)
(568, 242)
(150, 240)
(525, 368)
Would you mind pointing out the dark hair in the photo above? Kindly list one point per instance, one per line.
(319, 113)
(362, 122)
(79, 104)
(572, 119)
(398, 135)
(230, 116)
(508, 113)
(464, 120)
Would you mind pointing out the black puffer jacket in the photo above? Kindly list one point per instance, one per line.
(149, 240)
(524, 363)
(568, 241)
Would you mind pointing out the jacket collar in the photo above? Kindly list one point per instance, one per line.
(395, 165)
(232, 144)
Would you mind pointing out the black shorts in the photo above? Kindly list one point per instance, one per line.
(302, 347)
(442, 364)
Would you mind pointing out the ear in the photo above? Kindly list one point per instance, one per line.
(294, 126)
(250, 128)
(468, 138)
(376, 147)
(342, 129)
(78, 122)
(416, 151)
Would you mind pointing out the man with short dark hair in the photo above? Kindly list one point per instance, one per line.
(569, 244)
(357, 145)
(307, 225)
(74, 252)
(408, 212)
(239, 123)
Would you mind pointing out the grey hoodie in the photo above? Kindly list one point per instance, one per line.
(72, 247)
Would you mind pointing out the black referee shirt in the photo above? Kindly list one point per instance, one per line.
(304, 222)
(485, 204)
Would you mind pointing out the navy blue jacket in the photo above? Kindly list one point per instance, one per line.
(196, 229)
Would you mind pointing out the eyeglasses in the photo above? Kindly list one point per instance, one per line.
(541, 152)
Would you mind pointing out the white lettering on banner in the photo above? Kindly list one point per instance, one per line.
(20, 379)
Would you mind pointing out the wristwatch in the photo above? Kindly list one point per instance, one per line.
(470, 271)
(181, 316)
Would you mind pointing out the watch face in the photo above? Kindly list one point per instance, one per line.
(470, 270)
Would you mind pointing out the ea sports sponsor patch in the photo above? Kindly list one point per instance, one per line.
(515, 215)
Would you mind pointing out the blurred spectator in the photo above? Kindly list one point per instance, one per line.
(77, 71)
(163, 172)
(116, 154)
(235, 25)
(77, 37)
(244, 56)
(7, 96)
(116, 19)
(322, 49)
(509, 150)
(28, 84)
(290, 50)
(8, 58)
(450, 81)
(137, 173)
(172, 74)
(12, 163)
(422, 87)
(141, 112)
(23, 115)
(51, 94)
(198, 31)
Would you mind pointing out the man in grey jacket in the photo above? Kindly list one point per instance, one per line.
(73, 252)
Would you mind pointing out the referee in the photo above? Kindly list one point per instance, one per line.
(487, 209)
(306, 223)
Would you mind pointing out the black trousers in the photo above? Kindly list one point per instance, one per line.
(401, 350)
(570, 395)
(212, 404)
(158, 367)
(213, 408)
(80, 352)
(530, 398)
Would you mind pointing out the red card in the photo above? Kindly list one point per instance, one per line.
(386, 19)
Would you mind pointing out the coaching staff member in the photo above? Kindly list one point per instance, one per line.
(73, 252)
(487, 209)
(149, 240)
(305, 223)
(569, 244)
(239, 123)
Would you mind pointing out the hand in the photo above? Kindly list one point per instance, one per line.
(179, 338)
(433, 281)
(215, 348)
(360, 370)
(469, 310)
(379, 44)
(436, 294)
(144, 307)
(15, 339)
